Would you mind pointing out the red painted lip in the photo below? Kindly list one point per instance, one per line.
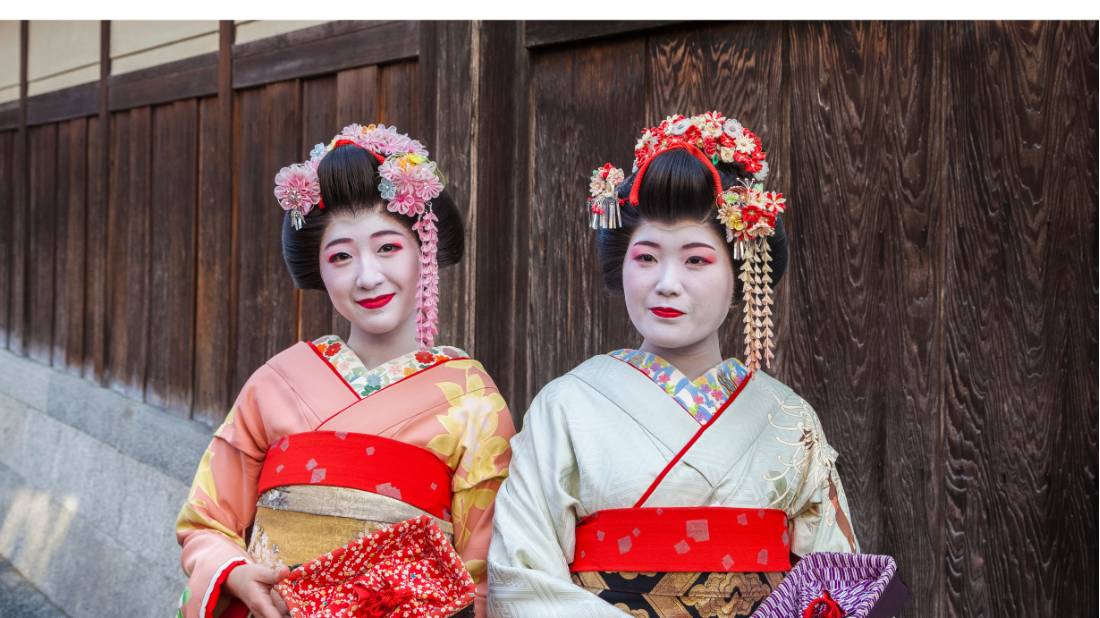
(666, 312)
(377, 302)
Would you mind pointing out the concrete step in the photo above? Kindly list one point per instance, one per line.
(20, 599)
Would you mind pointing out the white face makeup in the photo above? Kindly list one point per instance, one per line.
(678, 282)
(370, 266)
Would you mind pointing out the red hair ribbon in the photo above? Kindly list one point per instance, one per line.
(693, 151)
(823, 607)
(348, 142)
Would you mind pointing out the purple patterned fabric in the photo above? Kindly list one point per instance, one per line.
(855, 581)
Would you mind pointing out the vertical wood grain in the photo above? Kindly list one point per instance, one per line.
(448, 84)
(866, 187)
(266, 313)
(357, 97)
(575, 128)
(128, 323)
(96, 235)
(170, 366)
(215, 220)
(42, 235)
(398, 102)
(214, 226)
(68, 329)
(1019, 293)
(319, 109)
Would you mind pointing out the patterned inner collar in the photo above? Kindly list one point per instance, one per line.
(701, 397)
(365, 381)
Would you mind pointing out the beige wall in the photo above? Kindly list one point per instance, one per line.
(66, 53)
(9, 61)
(248, 31)
(142, 44)
(61, 54)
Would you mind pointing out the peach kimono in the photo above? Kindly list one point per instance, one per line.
(304, 463)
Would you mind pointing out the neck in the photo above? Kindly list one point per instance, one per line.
(693, 360)
(375, 349)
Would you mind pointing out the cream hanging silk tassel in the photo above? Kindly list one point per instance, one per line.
(768, 299)
(757, 291)
(747, 300)
(757, 304)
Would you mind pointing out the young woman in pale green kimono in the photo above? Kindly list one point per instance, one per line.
(664, 480)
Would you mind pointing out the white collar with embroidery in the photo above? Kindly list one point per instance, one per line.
(701, 397)
(365, 381)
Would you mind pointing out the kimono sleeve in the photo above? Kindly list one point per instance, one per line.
(479, 426)
(535, 520)
(821, 521)
(212, 524)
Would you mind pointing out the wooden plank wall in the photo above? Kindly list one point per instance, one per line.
(940, 309)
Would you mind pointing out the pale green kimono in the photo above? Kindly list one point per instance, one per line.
(597, 437)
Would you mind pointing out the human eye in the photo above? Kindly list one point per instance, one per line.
(390, 247)
(338, 257)
(699, 260)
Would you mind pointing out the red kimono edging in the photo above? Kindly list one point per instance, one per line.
(390, 385)
(408, 473)
(235, 609)
(683, 539)
(698, 433)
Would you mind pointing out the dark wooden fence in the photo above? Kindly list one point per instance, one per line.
(940, 310)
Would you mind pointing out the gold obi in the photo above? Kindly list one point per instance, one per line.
(297, 523)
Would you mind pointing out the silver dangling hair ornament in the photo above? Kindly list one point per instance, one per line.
(604, 202)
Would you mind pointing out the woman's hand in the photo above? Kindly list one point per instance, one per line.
(252, 584)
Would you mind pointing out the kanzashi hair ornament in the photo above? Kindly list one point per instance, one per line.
(408, 182)
(748, 212)
(604, 201)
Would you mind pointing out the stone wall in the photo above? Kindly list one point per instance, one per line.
(90, 484)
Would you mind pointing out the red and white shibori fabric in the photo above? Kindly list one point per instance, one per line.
(834, 585)
(407, 570)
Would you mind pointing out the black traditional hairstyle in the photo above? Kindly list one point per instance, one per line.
(349, 184)
(676, 187)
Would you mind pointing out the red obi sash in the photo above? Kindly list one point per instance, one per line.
(411, 474)
(683, 539)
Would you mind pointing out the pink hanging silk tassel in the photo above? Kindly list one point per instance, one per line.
(427, 293)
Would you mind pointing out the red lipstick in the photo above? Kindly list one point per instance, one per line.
(666, 312)
(377, 302)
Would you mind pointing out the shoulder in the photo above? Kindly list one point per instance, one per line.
(578, 380)
(278, 368)
(784, 397)
(795, 414)
(294, 354)
(297, 377)
(781, 392)
(450, 359)
(569, 395)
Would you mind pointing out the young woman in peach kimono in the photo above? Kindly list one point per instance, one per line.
(332, 440)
